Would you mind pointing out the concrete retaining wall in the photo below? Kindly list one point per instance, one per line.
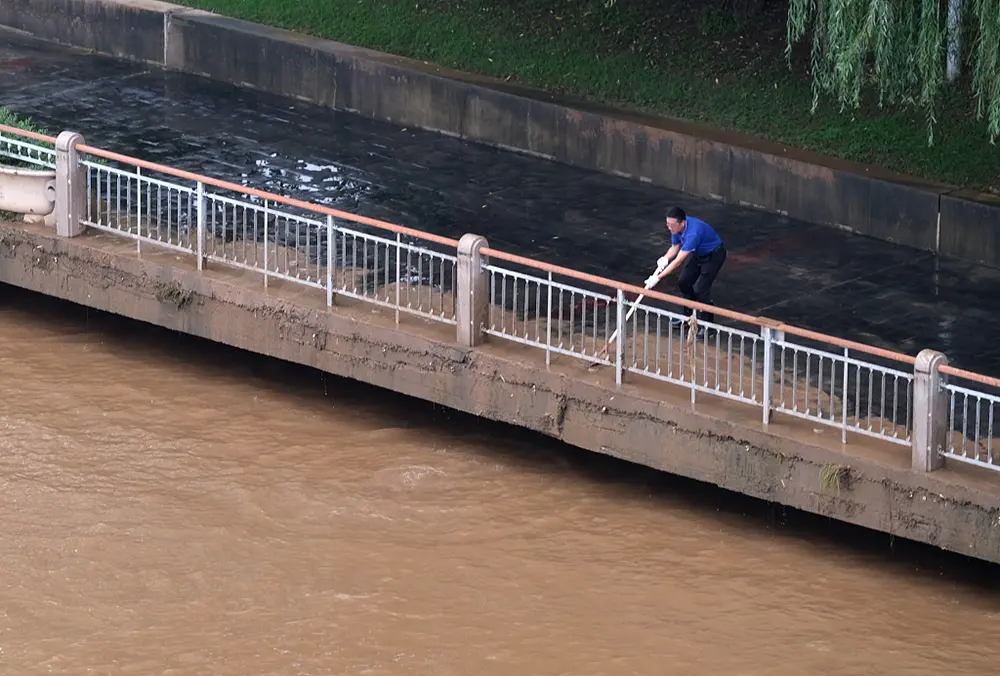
(978, 237)
(937, 508)
(130, 30)
(686, 157)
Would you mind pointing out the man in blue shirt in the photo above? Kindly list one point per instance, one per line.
(698, 250)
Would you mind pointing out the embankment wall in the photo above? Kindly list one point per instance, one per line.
(105, 274)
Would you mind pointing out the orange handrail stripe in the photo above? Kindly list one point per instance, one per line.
(33, 135)
(848, 344)
(501, 255)
(969, 375)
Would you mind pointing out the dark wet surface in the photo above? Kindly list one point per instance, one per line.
(808, 275)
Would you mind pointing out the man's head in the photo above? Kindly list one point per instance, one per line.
(676, 220)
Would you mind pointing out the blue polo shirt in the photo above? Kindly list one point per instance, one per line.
(698, 236)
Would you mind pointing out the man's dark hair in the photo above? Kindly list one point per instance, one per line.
(676, 212)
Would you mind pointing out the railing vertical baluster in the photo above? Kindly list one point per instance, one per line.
(118, 202)
(718, 361)
(619, 341)
(965, 423)
(979, 407)
(491, 307)
(138, 206)
(819, 388)
(90, 190)
(538, 306)
(331, 244)
(768, 368)
(399, 246)
(200, 231)
(107, 197)
(267, 270)
(548, 323)
(881, 425)
(989, 435)
(190, 219)
(366, 267)
(843, 398)
(694, 360)
(635, 336)
(659, 328)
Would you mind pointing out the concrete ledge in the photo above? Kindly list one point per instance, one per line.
(944, 509)
(695, 159)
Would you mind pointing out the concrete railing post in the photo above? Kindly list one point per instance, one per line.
(71, 186)
(472, 297)
(769, 333)
(930, 412)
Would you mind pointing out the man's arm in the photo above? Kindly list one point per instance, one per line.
(674, 264)
(669, 256)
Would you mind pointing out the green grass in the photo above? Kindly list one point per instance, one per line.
(679, 59)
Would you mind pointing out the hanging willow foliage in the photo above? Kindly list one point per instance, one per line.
(898, 47)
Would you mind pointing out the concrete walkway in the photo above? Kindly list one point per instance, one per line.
(812, 276)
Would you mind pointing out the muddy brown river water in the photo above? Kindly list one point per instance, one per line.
(174, 507)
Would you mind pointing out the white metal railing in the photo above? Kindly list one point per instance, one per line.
(260, 236)
(702, 356)
(32, 154)
(142, 207)
(970, 427)
(561, 318)
(755, 366)
(395, 273)
(838, 390)
(836, 383)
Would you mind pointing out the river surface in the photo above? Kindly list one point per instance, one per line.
(171, 506)
(813, 276)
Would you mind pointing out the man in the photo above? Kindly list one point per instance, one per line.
(698, 251)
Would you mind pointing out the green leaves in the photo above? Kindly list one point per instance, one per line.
(986, 74)
(898, 49)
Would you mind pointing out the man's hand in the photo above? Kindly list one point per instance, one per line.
(651, 280)
(663, 261)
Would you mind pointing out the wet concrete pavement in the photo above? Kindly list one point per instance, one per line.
(809, 275)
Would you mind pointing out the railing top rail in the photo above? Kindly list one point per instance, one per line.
(501, 255)
(969, 375)
(33, 135)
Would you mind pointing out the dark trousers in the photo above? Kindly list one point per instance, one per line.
(695, 279)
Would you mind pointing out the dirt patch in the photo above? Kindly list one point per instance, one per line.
(833, 477)
(172, 293)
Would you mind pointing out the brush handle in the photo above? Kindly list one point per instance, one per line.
(635, 306)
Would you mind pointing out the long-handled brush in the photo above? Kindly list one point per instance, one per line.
(635, 305)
